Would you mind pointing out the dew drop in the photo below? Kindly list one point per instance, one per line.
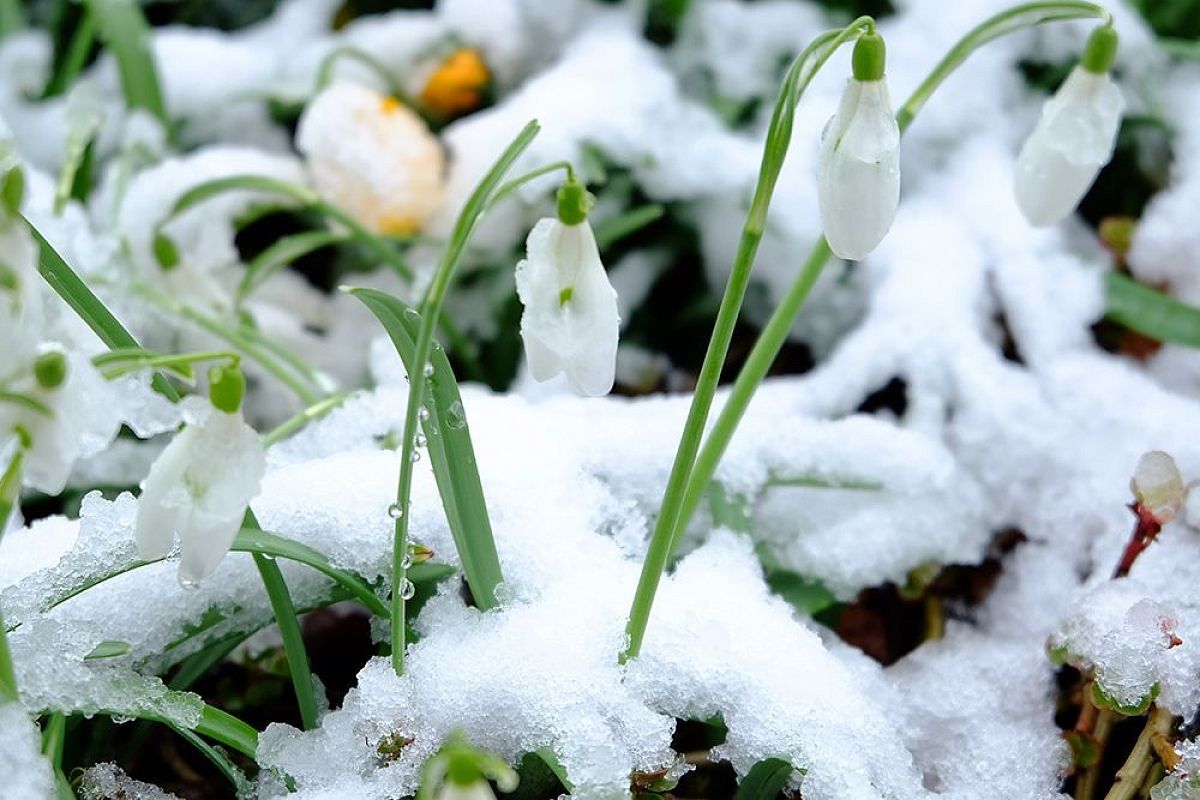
(406, 561)
(428, 370)
(395, 511)
(456, 417)
(416, 455)
(407, 590)
(423, 413)
(420, 440)
(121, 719)
(189, 584)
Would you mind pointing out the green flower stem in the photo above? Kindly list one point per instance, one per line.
(325, 71)
(779, 132)
(778, 327)
(10, 486)
(313, 412)
(289, 631)
(244, 341)
(301, 195)
(751, 376)
(12, 17)
(431, 308)
(67, 285)
(1009, 21)
(509, 187)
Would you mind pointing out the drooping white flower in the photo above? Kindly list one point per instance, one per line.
(372, 157)
(75, 413)
(570, 323)
(858, 175)
(198, 490)
(1074, 138)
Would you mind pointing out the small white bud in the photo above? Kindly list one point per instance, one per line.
(1158, 486)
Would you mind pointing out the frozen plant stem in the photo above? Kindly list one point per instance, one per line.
(779, 132)
(776, 331)
(10, 487)
(1133, 772)
(431, 308)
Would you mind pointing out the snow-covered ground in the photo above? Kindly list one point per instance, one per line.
(1044, 443)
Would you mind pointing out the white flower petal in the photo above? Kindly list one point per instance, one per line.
(570, 323)
(1074, 138)
(858, 180)
(205, 544)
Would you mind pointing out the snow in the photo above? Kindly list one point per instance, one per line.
(1044, 440)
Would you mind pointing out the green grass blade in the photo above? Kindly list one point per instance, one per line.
(615, 229)
(280, 254)
(71, 288)
(253, 540)
(1150, 312)
(450, 451)
(124, 32)
(232, 183)
(289, 631)
(218, 759)
(227, 729)
(75, 58)
(765, 780)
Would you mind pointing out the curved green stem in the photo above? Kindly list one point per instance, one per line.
(775, 333)
(431, 308)
(295, 423)
(10, 486)
(1009, 21)
(779, 132)
(325, 70)
(258, 352)
(516, 183)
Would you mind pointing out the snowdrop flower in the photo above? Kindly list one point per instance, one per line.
(199, 486)
(74, 413)
(460, 771)
(570, 323)
(1074, 138)
(858, 175)
(371, 157)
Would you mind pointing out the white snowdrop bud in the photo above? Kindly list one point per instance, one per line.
(570, 322)
(1158, 486)
(1074, 137)
(858, 175)
(198, 489)
(372, 157)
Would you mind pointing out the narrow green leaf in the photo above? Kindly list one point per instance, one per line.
(228, 730)
(67, 285)
(68, 68)
(450, 451)
(289, 631)
(1151, 312)
(107, 649)
(284, 252)
(252, 540)
(765, 780)
(218, 759)
(617, 228)
(126, 35)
